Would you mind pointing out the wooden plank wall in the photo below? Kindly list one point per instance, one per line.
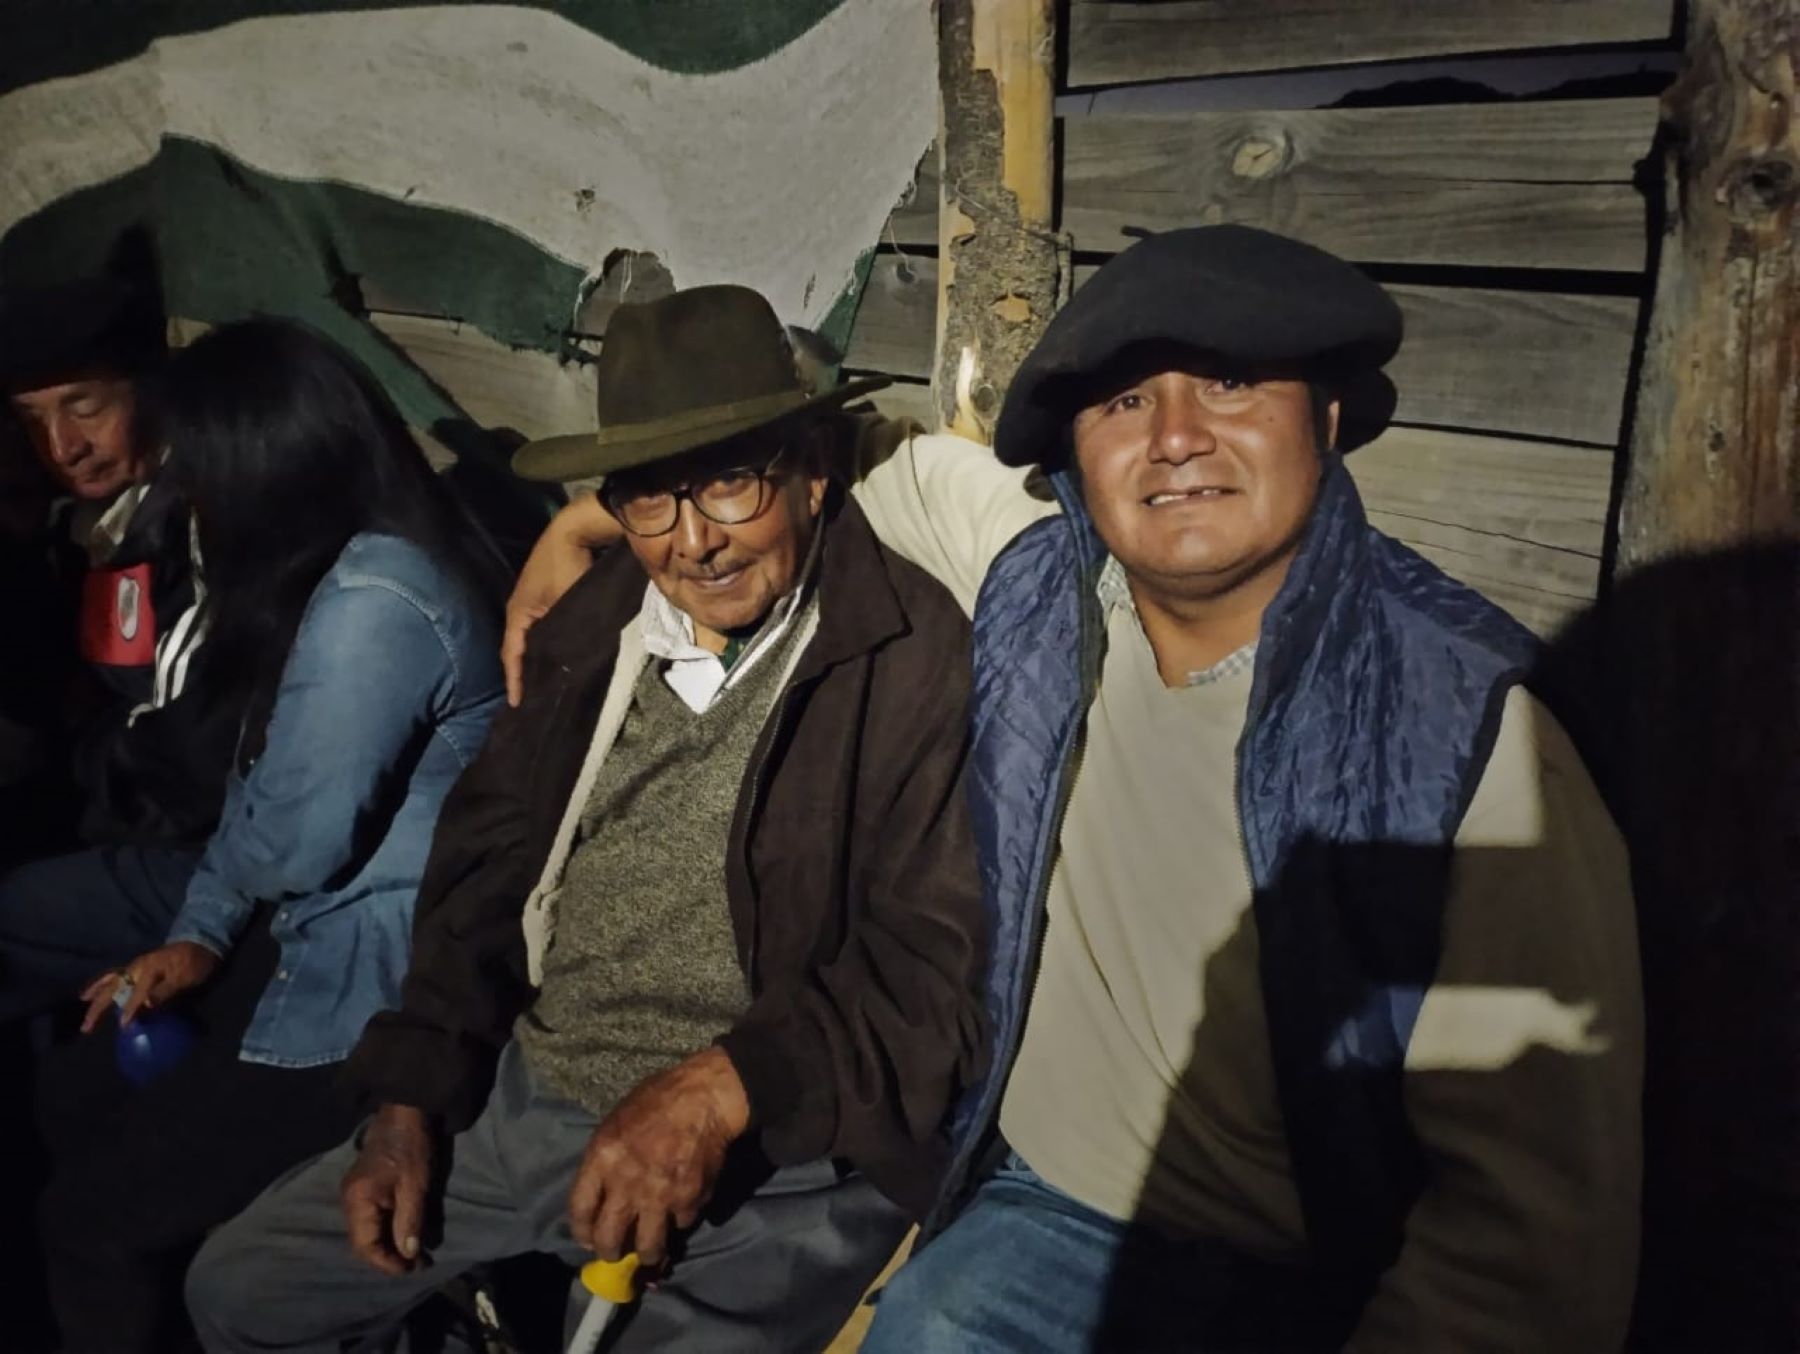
(1514, 235)
(1118, 42)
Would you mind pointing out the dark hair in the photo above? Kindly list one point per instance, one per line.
(285, 449)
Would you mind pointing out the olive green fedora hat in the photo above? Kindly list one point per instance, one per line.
(682, 372)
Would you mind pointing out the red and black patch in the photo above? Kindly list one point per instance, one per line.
(118, 619)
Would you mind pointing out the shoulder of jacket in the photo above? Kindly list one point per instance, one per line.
(1414, 592)
(375, 555)
(608, 595)
(389, 564)
(929, 606)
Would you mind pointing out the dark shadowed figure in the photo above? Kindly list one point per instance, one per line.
(1684, 688)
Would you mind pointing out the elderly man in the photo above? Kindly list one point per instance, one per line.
(77, 361)
(707, 902)
(1315, 986)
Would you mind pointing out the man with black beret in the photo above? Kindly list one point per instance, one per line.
(1313, 970)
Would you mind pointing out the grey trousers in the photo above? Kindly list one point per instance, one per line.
(778, 1270)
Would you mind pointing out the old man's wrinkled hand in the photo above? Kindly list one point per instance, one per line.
(384, 1195)
(651, 1166)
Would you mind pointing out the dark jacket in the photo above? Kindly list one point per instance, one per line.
(1374, 706)
(37, 792)
(851, 877)
(159, 778)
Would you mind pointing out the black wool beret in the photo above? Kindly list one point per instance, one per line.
(50, 333)
(1239, 293)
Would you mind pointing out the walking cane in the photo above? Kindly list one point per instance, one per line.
(611, 1284)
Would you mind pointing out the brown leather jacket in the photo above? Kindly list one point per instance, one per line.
(852, 878)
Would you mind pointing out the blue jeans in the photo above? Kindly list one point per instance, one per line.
(1025, 1269)
(65, 920)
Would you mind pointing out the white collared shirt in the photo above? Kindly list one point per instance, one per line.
(100, 530)
(695, 674)
(1114, 592)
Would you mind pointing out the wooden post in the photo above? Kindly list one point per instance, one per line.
(1698, 674)
(1715, 457)
(998, 260)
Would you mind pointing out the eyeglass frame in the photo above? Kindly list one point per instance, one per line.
(687, 492)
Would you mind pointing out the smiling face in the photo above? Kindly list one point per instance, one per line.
(84, 432)
(1200, 479)
(728, 577)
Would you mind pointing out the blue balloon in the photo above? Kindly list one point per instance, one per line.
(152, 1044)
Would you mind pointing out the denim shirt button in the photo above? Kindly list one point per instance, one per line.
(282, 975)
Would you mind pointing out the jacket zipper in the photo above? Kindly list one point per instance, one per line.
(1237, 808)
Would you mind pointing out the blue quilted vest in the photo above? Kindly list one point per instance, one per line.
(1377, 693)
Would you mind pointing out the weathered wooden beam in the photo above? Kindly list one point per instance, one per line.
(896, 321)
(1113, 42)
(496, 386)
(1715, 460)
(998, 278)
(1532, 185)
(1521, 522)
(1535, 364)
(1527, 363)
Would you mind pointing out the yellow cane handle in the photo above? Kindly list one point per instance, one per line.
(614, 1280)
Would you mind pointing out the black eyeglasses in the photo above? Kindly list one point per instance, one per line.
(729, 498)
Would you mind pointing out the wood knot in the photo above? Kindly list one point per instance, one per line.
(1760, 186)
(1012, 308)
(1262, 155)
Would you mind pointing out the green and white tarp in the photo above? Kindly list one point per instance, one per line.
(472, 161)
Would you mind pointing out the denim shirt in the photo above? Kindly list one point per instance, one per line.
(386, 696)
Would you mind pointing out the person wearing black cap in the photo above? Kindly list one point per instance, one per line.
(78, 366)
(69, 356)
(696, 960)
(1315, 982)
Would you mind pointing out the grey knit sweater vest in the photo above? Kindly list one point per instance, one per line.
(642, 968)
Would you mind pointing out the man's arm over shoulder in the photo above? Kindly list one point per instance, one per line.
(941, 501)
(872, 1048)
(1524, 1075)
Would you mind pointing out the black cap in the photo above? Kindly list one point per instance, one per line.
(51, 333)
(1244, 294)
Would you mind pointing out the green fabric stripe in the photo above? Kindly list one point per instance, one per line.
(233, 237)
(841, 318)
(231, 241)
(245, 242)
(228, 241)
(49, 38)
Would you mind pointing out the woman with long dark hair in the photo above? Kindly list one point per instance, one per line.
(348, 605)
